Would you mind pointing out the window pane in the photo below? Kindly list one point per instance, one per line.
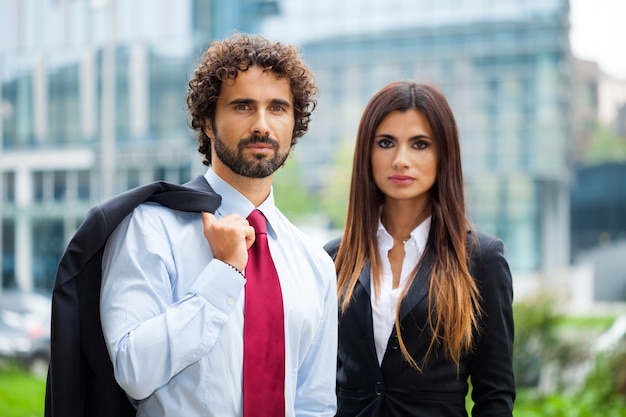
(60, 186)
(38, 186)
(84, 185)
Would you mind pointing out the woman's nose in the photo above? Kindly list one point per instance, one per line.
(400, 159)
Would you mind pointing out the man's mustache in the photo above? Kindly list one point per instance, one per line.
(258, 139)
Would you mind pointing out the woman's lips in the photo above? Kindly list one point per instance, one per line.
(401, 179)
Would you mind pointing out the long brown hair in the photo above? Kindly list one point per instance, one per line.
(453, 298)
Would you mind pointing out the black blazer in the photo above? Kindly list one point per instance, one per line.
(80, 377)
(395, 389)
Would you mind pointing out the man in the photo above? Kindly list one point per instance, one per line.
(175, 285)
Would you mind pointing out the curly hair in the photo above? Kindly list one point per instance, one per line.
(224, 59)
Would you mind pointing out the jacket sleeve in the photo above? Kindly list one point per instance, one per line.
(492, 366)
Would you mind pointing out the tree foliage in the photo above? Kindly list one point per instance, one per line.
(290, 194)
(334, 198)
(605, 146)
(540, 344)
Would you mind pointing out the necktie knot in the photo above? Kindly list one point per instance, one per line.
(258, 221)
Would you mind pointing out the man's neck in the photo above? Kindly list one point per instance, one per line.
(254, 189)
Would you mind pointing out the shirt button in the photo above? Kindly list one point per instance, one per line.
(230, 301)
(378, 388)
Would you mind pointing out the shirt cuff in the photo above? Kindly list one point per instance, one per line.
(220, 284)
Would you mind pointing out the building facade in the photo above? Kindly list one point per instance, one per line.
(92, 103)
(506, 69)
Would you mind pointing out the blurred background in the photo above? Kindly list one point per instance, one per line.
(92, 103)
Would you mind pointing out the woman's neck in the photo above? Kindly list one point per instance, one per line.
(400, 218)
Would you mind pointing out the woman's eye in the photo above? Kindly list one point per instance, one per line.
(384, 143)
(421, 144)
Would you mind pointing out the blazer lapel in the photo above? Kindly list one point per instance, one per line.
(419, 286)
(365, 279)
(362, 308)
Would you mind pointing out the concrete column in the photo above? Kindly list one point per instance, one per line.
(139, 90)
(108, 107)
(23, 230)
(87, 87)
(556, 224)
(40, 98)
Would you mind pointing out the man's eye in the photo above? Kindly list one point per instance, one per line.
(242, 107)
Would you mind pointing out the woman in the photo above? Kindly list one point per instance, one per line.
(425, 301)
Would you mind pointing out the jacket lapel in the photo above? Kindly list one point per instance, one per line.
(365, 278)
(419, 287)
(416, 293)
(362, 307)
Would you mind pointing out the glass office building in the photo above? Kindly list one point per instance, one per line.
(92, 103)
(505, 67)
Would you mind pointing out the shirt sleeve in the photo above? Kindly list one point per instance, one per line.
(151, 332)
(492, 377)
(315, 392)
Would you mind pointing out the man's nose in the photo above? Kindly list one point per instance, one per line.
(260, 126)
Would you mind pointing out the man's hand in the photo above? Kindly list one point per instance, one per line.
(229, 238)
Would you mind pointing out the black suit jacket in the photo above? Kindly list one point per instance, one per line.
(395, 389)
(80, 377)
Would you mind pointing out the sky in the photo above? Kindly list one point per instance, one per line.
(598, 33)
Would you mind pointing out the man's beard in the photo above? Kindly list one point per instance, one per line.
(259, 166)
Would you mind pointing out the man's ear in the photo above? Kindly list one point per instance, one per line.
(208, 129)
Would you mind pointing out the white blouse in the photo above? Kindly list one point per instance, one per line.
(384, 306)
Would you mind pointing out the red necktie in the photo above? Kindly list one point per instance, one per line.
(263, 330)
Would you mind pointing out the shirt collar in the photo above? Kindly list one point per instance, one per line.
(235, 202)
(419, 235)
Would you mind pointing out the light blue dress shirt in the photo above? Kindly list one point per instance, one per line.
(172, 315)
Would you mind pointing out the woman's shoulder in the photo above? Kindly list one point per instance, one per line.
(487, 260)
(481, 242)
(332, 246)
